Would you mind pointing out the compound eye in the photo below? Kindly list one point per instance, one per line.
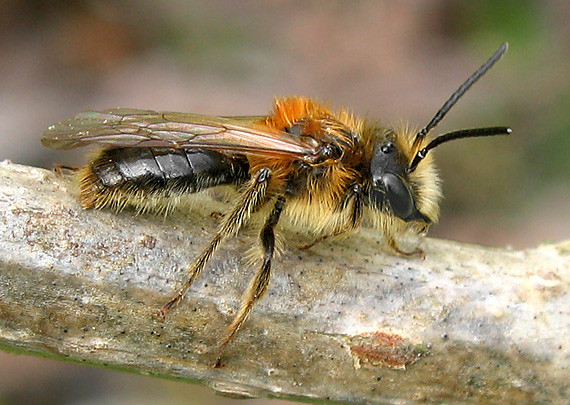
(398, 195)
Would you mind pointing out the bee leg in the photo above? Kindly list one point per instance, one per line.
(251, 198)
(61, 169)
(419, 253)
(258, 285)
(216, 214)
(317, 240)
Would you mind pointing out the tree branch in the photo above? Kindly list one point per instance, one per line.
(343, 321)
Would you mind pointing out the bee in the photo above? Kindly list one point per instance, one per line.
(328, 172)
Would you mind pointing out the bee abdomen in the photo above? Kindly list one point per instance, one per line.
(144, 177)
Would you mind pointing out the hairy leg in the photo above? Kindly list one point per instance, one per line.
(249, 201)
(259, 283)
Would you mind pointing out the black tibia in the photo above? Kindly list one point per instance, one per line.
(167, 171)
(353, 197)
(259, 283)
(251, 198)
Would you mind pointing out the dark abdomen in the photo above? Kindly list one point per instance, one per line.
(145, 177)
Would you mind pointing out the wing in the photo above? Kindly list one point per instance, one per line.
(129, 128)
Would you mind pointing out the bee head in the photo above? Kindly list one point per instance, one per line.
(390, 185)
(391, 170)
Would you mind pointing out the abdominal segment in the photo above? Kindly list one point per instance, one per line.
(153, 178)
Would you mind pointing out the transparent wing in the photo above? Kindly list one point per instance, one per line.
(123, 128)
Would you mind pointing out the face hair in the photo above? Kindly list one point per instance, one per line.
(467, 133)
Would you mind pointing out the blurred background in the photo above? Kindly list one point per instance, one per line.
(394, 61)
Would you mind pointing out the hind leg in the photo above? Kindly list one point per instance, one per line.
(259, 283)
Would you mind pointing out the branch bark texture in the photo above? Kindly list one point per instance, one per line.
(343, 321)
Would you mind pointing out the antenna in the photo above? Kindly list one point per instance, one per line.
(464, 133)
(460, 92)
(450, 136)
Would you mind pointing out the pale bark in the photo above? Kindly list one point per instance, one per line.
(343, 321)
